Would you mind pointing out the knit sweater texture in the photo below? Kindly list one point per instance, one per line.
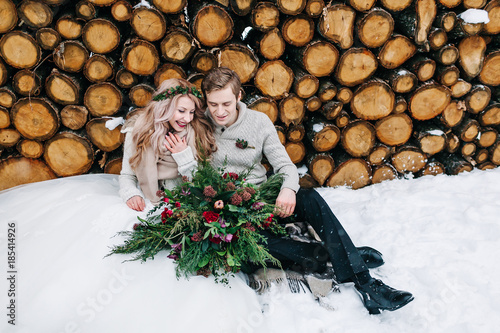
(257, 129)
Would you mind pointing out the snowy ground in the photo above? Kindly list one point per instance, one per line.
(439, 236)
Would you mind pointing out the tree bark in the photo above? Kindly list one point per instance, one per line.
(70, 56)
(148, 23)
(292, 110)
(30, 148)
(351, 172)
(322, 135)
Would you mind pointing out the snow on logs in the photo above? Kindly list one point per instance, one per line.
(360, 91)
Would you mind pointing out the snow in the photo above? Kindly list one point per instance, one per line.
(436, 132)
(475, 16)
(318, 127)
(143, 3)
(439, 236)
(114, 122)
(302, 170)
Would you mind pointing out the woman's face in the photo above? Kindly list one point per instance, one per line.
(183, 114)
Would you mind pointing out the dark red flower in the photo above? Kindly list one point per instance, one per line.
(231, 175)
(230, 186)
(236, 199)
(210, 216)
(136, 226)
(178, 204)
(197, 237)
(209, 191)
(215, 239)
(246, 196)
(166, 200)
(160, 193)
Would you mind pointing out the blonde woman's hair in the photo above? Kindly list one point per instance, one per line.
(152, 122)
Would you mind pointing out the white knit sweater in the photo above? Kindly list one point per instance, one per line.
(257, 129)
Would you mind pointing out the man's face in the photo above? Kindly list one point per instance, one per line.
(222, 106)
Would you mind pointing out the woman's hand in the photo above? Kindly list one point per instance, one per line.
(136, 203)
(285, 202)
(174, 144)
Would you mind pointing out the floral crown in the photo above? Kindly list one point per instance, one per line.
(169, 93)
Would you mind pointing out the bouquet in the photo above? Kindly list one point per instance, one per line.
(209, 225)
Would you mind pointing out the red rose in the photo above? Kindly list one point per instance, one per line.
(216, 239)
(178, 204)
(210, 216)
(231, 175)
(166, 200)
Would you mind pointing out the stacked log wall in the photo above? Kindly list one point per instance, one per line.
(359, 91)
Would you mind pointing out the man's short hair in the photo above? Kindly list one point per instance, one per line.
(219, 78)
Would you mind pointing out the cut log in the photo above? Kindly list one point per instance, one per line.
(358, 138)
(168, 71)
(423, 67)
(486, 166)
(69, 27)
(99, 3)
(85, 10)
(140, 57)
(314, 8)
(327, 90)
(344, 95)
(481, 156)
(121, 10)
(240, 59)
(454, 164)
(342, 119)
(242, 7)
(468, 130)
(356, 65)
(170, 6)
(447, 55)
(125, 79)
(140, 95)
(4, 73)
(400, 106)
(291, 7)
(472, 50)
(9, 137)
(375, 28)
(373, 100)
(323, 135)
(98, 69)
(4, 118)
(478, 98)
(450, 3)
(331, 109)
(379, 154)
(148, 23)
(396, 51)
(265, 16)
(319, 57)
(320, 167)
(307, 181)
(35, 14)
(103, 138)
(196, 79)
(452, 143)
(409, 158)
(474, 3)
(295, 133)
(102, 99)
(16, 171)
(296, 151)
(464, 29)
(177, 46)
(395, 5)
(445, 20)
(453, 114)
(292, 110)
(313, 103)
(362, 5)
(68, 154)
(30, 148)
(8, 16)
(490, 73)
(430, 138)
(447, 75)
(394, 130)
(493, 9)
(212, 25)
(401, 80)
(19, 50)
(70, 56)
(305, 85)
(26, 83)
(337, 25)
(490, 116)
(432, 168)
(203, 61)
(298, 30)
(274, 79)
(461, 88)
(113, 165)
(495, 153)
(351, 172)
(35, 118)
(281, 134)
(416, 21)
(62, 88)
(487, 137)
(7, 97)
(74, 116)
(270, 44)
(48, 38)
(263, 104)
(428, 101)
(100, 36)
(383, 172)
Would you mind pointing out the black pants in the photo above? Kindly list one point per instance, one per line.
(336, 245)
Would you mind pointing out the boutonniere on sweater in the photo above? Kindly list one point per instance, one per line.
(242, 144)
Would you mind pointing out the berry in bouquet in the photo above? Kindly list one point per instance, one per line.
(209, 225)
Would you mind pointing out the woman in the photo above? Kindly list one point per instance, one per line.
(163, 141)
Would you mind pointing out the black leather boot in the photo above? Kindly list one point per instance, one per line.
(370, 256)
(378, 296)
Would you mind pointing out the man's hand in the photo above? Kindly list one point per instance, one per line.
(136, 203)
(285, 203)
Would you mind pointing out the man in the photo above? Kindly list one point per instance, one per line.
(234, 124)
